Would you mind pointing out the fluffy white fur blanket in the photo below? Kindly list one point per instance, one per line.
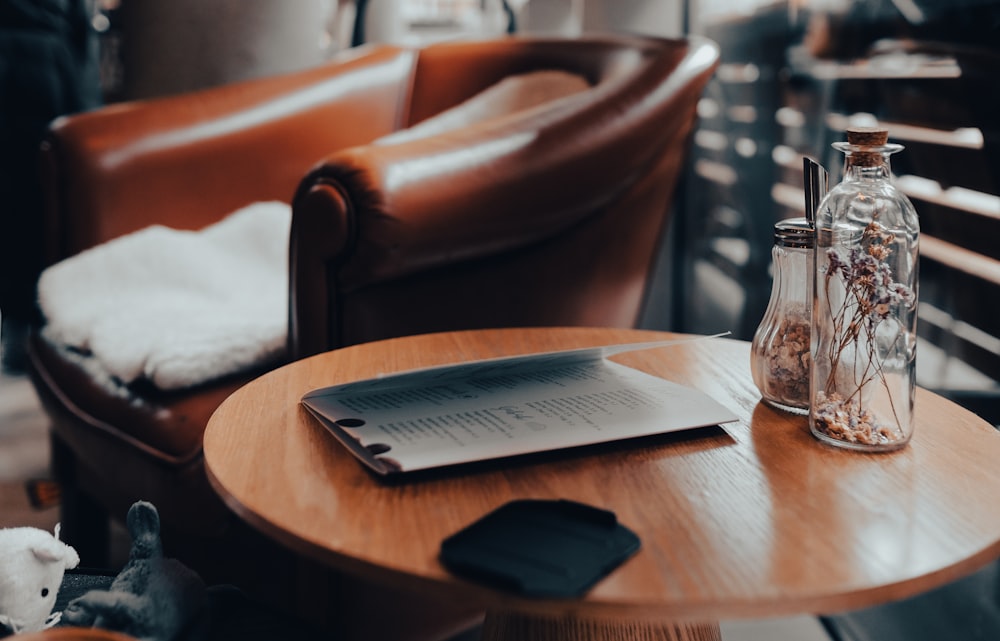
(176, 307)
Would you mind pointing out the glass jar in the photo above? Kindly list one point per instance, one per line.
(779, 353)
(864, 316)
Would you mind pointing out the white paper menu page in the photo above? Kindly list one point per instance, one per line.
(504, 407)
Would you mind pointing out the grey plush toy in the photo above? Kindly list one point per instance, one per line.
(153, 598)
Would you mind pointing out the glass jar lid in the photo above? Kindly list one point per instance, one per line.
(794, 232)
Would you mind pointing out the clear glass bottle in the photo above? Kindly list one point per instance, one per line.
(779, 353)
(864, 316)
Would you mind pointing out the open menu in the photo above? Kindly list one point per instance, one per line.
(502, 407)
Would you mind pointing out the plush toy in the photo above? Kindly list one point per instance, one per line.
(32, 564)
(153, 598)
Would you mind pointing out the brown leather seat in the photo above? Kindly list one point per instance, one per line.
(551, 215)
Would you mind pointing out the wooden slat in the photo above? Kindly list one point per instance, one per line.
(960, 258)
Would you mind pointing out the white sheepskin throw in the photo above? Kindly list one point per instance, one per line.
(176, 307)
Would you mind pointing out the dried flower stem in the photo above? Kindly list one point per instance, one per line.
(870, 295)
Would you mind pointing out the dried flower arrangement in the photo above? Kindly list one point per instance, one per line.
(870, 296)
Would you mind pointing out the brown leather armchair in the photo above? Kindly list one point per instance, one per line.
(549, 215)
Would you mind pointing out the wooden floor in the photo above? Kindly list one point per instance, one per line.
(24, 454)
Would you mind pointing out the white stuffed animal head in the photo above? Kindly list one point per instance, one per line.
(32, 564)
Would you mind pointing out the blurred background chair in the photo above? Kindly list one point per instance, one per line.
(48, 68)
(543, 208)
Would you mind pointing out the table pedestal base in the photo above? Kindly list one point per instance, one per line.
(508, 626)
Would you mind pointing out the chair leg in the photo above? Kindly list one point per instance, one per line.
(84, 523)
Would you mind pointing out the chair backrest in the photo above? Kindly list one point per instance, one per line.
(187, 160)
(551, 215)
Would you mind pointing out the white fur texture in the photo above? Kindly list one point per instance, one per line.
(176, 307)
(32, 564)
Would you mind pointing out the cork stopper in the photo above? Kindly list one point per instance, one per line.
(867, 137)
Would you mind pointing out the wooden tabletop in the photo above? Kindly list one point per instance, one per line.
(753, 519)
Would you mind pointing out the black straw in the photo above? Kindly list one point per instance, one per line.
(816, 181)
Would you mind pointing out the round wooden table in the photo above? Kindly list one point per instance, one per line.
(753, 519)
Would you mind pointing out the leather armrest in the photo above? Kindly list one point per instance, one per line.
(449, 197)
(379, 214)
(186, 161)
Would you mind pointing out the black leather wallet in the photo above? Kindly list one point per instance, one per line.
(544, 548)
